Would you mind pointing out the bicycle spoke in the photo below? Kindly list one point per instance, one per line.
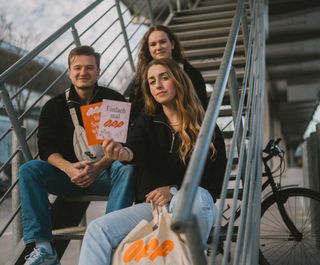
(277, 244)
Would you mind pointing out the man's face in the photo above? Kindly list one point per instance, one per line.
(83, 71)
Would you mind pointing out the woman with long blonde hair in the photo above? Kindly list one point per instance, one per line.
(160, 143)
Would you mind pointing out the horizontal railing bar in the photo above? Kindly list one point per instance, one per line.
(44, 68)
(8, 191)
(96, 21)
(105, 32)
(10, 220)
(5, 133)
(33, 53)
(133, 17)
(43, 94)
(123, 46)
(117, 71)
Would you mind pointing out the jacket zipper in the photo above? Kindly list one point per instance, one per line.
(173, 134)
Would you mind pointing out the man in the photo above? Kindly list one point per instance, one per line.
(60, 172)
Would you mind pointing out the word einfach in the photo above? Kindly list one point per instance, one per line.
(151, 250)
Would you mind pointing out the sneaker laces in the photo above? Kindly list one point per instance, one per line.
(33, 255)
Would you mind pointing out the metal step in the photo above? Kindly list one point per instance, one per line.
(69, 233)
(225, 113)
(218, 2)
(214, 63)
(211, 76)
(202, 17)
(204, 33)
(227, 134)
(208, 42)
(211, 52)
(221, 7)
(216, 23)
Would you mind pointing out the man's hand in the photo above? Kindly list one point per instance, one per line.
(81, 173)
(87, 173)
(159, 196)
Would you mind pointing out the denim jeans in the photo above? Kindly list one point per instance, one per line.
(37, 178)
(104, 234)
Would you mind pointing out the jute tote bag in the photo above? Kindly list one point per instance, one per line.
(153, 243)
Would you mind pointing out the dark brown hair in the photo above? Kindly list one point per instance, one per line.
(84, 50)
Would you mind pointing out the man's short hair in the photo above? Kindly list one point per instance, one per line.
(84, 50)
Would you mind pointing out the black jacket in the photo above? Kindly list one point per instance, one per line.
(56, 128)
(155, 148)
(196, 79)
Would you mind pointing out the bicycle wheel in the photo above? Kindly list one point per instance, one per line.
(277, 245)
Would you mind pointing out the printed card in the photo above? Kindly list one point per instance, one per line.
(114, 120)
(91, 120)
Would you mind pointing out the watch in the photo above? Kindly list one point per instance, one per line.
(173, 190)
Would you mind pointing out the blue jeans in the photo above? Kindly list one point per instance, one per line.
(37, 178)
(105, 233)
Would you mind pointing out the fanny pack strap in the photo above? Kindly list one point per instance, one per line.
(72, 110)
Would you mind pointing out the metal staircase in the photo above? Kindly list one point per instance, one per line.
(209, 35)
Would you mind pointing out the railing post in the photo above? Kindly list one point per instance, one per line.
(178, 5)
(16, 162)
(15, 124)
(245, 30)
(151, 16)
(75, 36)
(171, 9)
(195, 242)
(234, 102)
(125, 36)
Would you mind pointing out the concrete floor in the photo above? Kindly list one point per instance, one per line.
(291, 176)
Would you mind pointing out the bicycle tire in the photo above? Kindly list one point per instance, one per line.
(277, 246)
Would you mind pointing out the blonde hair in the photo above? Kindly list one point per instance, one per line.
(189, 108)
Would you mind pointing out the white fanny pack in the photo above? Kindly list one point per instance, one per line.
(82, 150)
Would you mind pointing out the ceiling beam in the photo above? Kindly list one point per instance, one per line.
(313, 74)
(292, 35)
(287, 59)
(284, 8)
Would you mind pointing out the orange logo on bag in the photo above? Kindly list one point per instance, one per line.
(151, 250)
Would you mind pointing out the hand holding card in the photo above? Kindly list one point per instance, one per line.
(107, 119)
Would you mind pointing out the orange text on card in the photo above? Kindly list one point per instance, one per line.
(113, 123)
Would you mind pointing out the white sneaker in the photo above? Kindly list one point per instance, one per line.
(39, 256)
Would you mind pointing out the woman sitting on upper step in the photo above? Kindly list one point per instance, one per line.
(159, 42)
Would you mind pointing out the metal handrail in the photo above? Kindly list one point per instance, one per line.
(37, 50)
(199, 155)
(246, 240)
(16, 118)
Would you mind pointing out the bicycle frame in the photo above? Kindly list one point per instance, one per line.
(273, 150)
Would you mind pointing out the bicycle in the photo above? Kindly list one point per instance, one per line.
(290, 219)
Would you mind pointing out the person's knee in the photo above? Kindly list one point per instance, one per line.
(123, 170)
(203, 199)
(127, 169)
(97, 228)
(28, 170)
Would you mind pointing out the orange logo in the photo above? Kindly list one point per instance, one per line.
(113, 123)
(151, 250)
